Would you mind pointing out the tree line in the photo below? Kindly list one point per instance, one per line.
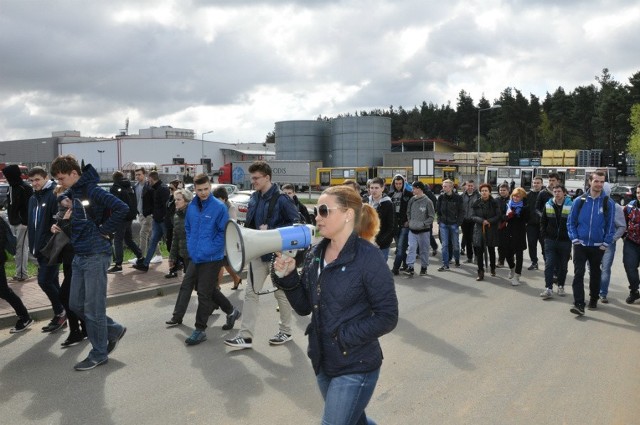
(596, 116)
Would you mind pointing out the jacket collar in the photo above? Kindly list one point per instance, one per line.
(347, 254)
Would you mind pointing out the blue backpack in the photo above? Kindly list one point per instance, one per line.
(10, 241)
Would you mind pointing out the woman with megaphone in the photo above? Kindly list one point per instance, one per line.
(348, 287)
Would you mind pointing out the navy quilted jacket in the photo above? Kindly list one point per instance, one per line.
(353, 301)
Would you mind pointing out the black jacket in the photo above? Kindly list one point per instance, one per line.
(449, 209)
(534, 217)
(43, 207)
(161, 194)
(19, 194)
(553, 223)
(387, 228)
(400, 204)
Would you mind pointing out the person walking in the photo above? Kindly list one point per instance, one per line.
(469, 197)
(17, 214)
(400, 198)
(591, 227)
(533, 223)
(384, 207)
(122, 190)
(515, 222)
(349, 292)
(503, 199)
(485, 215)
(607, 259)
(160, 198)
(631, 247)
(553, 228)
(450, 213)
(420, 215)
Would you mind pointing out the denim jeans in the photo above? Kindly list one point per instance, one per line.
(449, 234)
(88, 299)
(385, 253)
(159, 230)
(346, 396)
(50, 284)
(557, 260)
(420, 240)
(123, 236)
(582, 254)
(607, 262)
(402, 241)
(631, 261)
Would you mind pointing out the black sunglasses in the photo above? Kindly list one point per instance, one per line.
(323, 210)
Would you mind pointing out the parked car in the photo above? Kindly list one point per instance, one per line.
(622, 194)
(241, 200)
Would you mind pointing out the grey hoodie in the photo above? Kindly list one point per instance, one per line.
(420, 213)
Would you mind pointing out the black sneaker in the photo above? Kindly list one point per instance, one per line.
(74, 338)
(404, 268)
(115, 269)
(395, 272)
(141, 267)
(239, 342)
(111, 345)
(21, 325)
(171, 275)
(409, 271)
(423, 271)
(173, 322)
(577, 309)
(593, 304)
(457, 263)
(633, 296)
(533, 266)
(231, 319)
(469, 261)
(88, 364)
(434, 252)
(441, 269)
(58, 321)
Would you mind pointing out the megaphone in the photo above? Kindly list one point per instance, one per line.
(243, 245)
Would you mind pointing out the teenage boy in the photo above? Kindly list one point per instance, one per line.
(400, 196)
(384, 207)
(161, 196)
(17, 213)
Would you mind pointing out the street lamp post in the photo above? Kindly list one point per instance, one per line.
(202, 139)
(496, 106)
(100, 152)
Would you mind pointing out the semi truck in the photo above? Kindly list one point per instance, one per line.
(301, 174)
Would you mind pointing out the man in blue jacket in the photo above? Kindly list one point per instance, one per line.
(268, 209)
(591, 227)
(42, 208)
(95, 216)
(204, 224)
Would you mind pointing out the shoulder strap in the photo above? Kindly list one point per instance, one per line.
(272, 206)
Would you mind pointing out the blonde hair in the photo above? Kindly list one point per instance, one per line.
(365, 218)
(520, 192)
(186, 194)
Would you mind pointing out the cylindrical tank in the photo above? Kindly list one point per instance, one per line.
(301, 140)
(359, 141)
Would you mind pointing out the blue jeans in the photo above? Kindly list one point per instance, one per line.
(346, 397)
(402, 241)
(631, 261)
(607, 262)
(557, 259)
(385, 253)
(582, 254)
(157, 232)
(50, 284)
(449, 234)
(88, 299)
(418, 240)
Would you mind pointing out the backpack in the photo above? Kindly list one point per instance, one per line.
(10, 241)
(128, 196)
(632, 216)
(605, 204)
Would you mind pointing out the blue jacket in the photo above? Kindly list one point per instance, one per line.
(42, 209)
(591, 228)
(284, 214)
(91, 225)
(204, 224)
(353, 301)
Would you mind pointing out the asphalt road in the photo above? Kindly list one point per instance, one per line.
(463, 353)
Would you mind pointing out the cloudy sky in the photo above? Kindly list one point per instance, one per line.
(238, 66)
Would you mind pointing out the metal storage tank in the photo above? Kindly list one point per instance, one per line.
(302, 140)
(359, 141)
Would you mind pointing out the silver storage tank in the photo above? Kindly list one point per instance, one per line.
(301, 140)
(359, 141)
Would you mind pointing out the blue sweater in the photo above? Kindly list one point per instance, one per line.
(89, 233)
(204, 224)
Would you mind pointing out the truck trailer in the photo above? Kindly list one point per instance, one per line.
(302, 174)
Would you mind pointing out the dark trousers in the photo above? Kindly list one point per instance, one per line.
(557, 260)
(480, 257)
(582, 254)
(121, 237)
(631, 261)
(511, 254)
(9, 296)
(50, 284)
(533, 239)
(186, 288)
(467, 238)
(208, 293)
(169, 236)
(65, 290)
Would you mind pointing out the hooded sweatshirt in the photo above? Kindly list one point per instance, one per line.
(384, 208)
(420, 213)
(19, 194)
(400, 200)
(43, 207)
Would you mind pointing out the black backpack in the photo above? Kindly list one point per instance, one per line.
(128, 196)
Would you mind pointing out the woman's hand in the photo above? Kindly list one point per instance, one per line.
(283, 264)
(55, 229)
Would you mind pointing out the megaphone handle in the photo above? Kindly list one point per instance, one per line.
(282, 273)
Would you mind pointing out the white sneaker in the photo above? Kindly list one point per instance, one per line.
(561, 291)
(133, 261)
(156, 259)
(512, 273)
(546, 294)
(516, 280)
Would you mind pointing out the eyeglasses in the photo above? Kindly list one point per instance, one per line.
(256, 178)
(323, 210)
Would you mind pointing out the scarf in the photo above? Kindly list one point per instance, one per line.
(516, 207)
